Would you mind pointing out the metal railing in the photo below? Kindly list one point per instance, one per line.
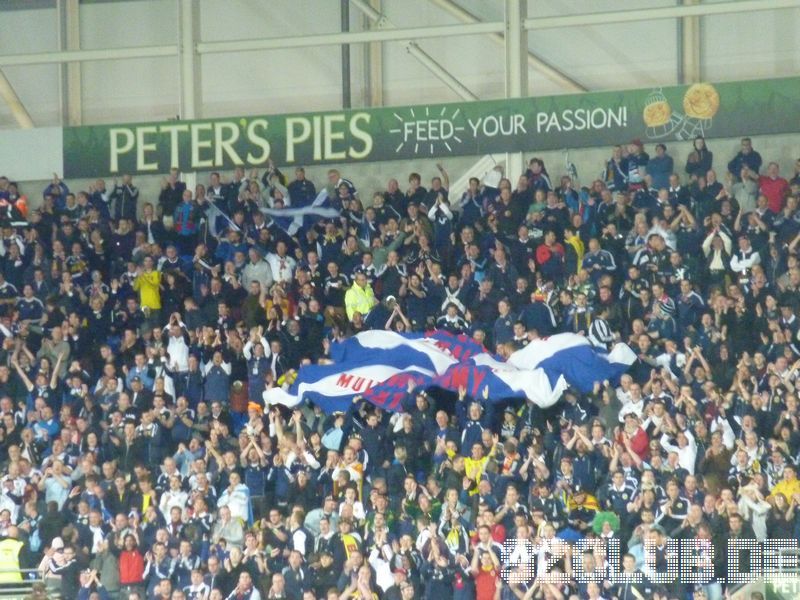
(19, 590)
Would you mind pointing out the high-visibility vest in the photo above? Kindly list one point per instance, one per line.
(9, 560)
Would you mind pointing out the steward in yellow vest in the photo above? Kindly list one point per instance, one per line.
(10, 549)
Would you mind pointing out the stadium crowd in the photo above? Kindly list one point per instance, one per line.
(138, 335)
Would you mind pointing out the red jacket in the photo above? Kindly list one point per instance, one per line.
(640, 443)
(775, 191)
(131, 567)
(544, 253)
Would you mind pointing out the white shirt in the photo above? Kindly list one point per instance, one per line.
(741, 262)
(171, 499)
(236, 501)
(686, 455)
(282, 267)
(178, 353)
(636, 408)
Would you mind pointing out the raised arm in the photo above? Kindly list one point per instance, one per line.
(445, 176)
(707, 243)
(737, 223)
(726, 241)
(22, 375)
(56, 371)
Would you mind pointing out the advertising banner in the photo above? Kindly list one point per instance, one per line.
(437, 130)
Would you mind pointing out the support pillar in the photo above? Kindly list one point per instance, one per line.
(347, 101)
(374, 68)
(189, 63)
(516, 70)
(690, 68)
(70, 40)
(190, 101)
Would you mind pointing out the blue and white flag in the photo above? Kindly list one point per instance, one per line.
(572, 356)
(380, 365)
(385, 360)
(494, 383)
(333, 387)
(427, 352)
(217, 219)
(291, 220)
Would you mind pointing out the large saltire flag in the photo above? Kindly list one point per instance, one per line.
(382, 366)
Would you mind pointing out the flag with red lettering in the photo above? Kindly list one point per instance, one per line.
(436, 351)
(332, 387)
(383, 366)
(495, 382)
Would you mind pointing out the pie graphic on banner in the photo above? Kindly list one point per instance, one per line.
(657, 113)
(701, 101)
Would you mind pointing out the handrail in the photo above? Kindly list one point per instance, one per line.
(11, 590)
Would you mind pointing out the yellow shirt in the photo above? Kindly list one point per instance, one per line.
(474, 469)
(147, 284)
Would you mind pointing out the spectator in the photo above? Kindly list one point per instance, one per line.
(661, 167)
(774, 187)
(700, 159)
(257, 270)
(746, 157)
(124, 198)
(635, 164)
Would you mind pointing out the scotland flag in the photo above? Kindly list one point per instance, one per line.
(382, 367)
(292, 220)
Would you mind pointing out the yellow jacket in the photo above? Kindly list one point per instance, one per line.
(577, 244)
(359, 300)
(147, 284)
(9, 560)
(787, 488)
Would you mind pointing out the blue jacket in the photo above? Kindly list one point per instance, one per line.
(190, 384)
(604, 259)
(84, 593)
(217, 385)
(185, 222)
(471, 436)
(256, 371)
(539, 316)
(279, 477)
(660, 168)
(59, 192)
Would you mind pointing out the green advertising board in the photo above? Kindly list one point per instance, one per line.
(437, 130)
